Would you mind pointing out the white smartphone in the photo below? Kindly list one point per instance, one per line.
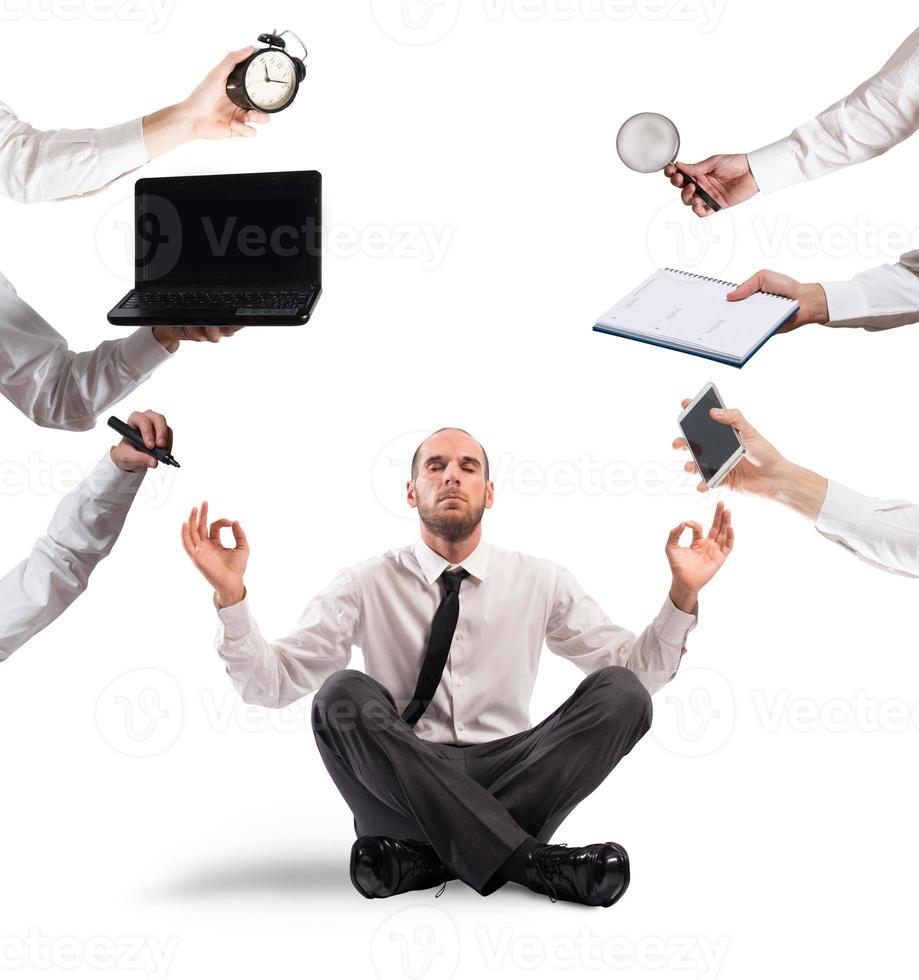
(716, 448)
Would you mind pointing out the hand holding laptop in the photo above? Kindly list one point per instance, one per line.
(171, 337)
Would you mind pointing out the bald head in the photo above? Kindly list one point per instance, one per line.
(427, 449)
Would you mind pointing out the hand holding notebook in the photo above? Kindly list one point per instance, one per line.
(689, 312)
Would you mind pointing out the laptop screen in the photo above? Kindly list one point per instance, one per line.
(242, 230)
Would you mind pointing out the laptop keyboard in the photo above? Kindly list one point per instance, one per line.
(245, 302)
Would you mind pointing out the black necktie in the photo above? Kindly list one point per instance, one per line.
(435, 657)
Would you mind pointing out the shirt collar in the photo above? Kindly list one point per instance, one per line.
(433, 564)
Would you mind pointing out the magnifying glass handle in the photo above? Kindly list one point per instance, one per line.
(707, 198)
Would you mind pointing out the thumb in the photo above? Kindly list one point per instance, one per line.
(235, 57)
(699, 169)
(673, 539)
(749, 286)
(734, 418)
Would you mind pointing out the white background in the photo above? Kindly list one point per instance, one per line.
(141, 799)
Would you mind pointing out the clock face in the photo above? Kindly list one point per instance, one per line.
(270, 80)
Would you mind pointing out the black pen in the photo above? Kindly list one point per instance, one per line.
(137, 440)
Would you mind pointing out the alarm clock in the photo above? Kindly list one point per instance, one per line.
(269, 78)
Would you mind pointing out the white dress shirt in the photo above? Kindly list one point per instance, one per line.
(39, 374)
(884, 533)
(878, 114)
(83, 531)
(509, 604)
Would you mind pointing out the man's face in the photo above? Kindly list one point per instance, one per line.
(450, 490)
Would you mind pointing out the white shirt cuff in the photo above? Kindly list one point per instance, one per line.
(110, 484)
(774, 166)
(123, 145)
(143, 353)
(673, 624)
(237, 619)
(845, 510)
(845, 301)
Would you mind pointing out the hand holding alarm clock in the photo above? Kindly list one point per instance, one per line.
(269, 79)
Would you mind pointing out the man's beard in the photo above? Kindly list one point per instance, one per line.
(451, 525)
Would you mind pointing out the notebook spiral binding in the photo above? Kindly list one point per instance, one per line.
(722, 282)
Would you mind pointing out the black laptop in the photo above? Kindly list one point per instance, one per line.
(225, 250)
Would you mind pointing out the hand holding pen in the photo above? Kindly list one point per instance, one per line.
(146, 441)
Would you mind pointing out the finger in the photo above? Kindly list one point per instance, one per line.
(702, 486)
(685, 403)
(690, 467)
(673, 539)
(734, 418)
(748, 287)
(214, 531)
(696, 531)
(688, 193)
(717, 521)
(160, 428)
(725, 528)
(186, 541)
(729, 540)
(234, 58)
(238, 128)
(169, 437)
(144, 425)
(254, 116)
(213, 334)
(680, 443)
(242, 542)
(202, 521)
(700, 208)
(193, 527)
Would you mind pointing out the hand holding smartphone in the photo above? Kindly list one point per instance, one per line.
(716, 448)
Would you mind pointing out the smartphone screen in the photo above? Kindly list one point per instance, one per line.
(711, 442)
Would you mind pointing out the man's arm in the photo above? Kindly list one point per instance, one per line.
(84, 530)
(271, 674)
(881, 298)
(60, 388)
(580, 631)
(884, 533)
(47, 165)
(878, 114)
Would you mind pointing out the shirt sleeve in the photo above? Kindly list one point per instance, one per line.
(60, 388)
(83, 531)
(878, 114)
(580, 631)
(275, 674)
(884, 533)
(877, 299)
(47, 165)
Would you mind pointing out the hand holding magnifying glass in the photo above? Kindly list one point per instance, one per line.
(648, 142)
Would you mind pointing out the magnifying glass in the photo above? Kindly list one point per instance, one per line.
(648, 142)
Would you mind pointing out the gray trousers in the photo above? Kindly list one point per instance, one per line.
(475, 804)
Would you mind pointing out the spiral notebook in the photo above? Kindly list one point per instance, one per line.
(688, 312)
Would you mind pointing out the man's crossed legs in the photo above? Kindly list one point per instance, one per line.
(478, 812)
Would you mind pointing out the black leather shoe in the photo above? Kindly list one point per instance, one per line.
(384, 866)
(594, 875)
